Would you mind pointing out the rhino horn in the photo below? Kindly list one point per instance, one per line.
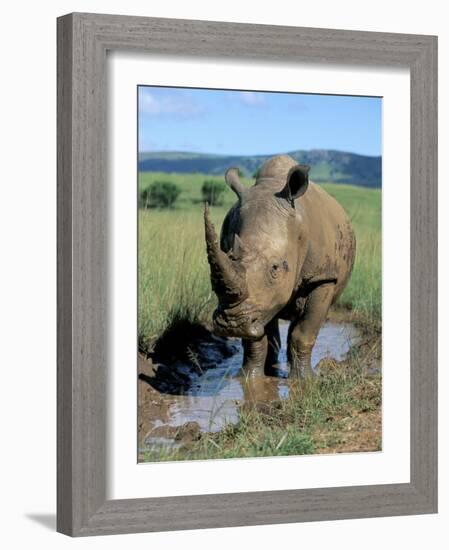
(227, 277)
(239, 249)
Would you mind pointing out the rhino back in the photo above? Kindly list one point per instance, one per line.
(331, 238)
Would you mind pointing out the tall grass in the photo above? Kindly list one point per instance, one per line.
(364, 292)
(173, 272)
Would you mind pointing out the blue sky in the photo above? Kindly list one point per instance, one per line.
(251, 123)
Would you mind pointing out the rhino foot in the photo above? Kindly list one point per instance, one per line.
(302, 372)
(301, 366)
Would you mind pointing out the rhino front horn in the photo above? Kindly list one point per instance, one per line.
(227, 277)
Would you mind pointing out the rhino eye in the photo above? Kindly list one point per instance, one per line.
(276, 268)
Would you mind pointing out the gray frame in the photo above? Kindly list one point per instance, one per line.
(83, 40)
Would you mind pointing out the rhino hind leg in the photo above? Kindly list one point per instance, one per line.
(303, 332)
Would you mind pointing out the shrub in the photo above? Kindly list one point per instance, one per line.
(212, 191)
(256, 173)
(160, 194)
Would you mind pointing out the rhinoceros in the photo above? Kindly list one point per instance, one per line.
(286, 251)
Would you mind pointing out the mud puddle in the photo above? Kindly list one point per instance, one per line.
(204, 393)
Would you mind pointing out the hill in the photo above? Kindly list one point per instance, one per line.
(326, 165)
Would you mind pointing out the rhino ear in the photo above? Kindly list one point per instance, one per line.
(233, 180)
(297, 183)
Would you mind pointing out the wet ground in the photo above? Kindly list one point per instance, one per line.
(204, 392)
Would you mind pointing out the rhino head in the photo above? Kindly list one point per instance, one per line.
(255, 267)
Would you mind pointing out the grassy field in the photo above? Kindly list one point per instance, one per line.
(173, 272)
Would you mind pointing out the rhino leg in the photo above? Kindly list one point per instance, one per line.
(254, 356)
(304, 331)
(274, 346)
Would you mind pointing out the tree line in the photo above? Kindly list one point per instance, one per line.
(164, 194)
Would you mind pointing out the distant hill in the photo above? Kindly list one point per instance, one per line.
(326, 165)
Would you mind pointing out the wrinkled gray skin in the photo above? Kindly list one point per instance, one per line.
(286, 252)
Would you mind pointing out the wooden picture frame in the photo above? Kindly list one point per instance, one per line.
(83, 40)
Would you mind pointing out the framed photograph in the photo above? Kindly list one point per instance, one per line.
(247, 274)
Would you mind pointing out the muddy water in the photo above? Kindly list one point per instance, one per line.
(206, 393)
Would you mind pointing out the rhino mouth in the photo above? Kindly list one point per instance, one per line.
(246, 325)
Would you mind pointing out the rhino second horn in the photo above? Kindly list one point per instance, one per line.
(228, 278)
(238, 249)
(233, 180)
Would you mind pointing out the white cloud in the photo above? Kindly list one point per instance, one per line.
(148, 104)
(255, 99)
(168, 104)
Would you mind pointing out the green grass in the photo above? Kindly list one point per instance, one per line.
(173, 272)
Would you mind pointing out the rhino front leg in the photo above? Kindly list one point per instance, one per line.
(274, 347)
(303, 332)
(254, 356)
